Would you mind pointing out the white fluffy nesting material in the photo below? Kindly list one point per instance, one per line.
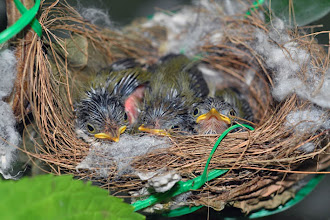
(9, 138)
(293, 67)
(161, 181)
(181, 200)
(191, 27)
(7, 71)
(102, 157)
(308, 120)
(308, 147)
(94, 15)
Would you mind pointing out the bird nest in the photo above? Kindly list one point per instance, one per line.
(262, 163)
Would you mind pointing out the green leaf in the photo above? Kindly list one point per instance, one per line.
(60, 197)
(305, 11)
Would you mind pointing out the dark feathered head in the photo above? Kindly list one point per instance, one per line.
(176, 86)
(212, 116)
(100, 115)
(165, 115)
(110, 106)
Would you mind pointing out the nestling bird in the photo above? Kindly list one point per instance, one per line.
(112, 104)
(215, 114)
(177, 85)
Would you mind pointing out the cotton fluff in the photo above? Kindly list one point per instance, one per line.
(9, 138)
(250, 74)
(104, 156)
(160, 181)
(181, 200)
(293, 67)
(307, 148)
(96, 16)
(7, 71)
(308, 120)
(191, 27)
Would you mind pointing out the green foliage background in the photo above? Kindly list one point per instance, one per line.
(60, 197)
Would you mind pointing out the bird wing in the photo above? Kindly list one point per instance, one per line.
(197, 81)
(177, 71)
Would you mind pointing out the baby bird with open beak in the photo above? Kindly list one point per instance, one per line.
(215, 114)
(111, 106)
(176, 85)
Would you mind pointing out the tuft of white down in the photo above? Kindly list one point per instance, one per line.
(105, 155)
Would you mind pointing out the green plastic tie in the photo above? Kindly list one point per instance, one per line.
(34, 23)
(179, 188)
(186, 210)
(217, 144)
(28, 17)
(194, 184)
(255, 6)
(182, 211)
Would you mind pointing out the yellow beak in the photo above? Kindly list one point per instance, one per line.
(154, 131)
(111, 137)
(213, 113)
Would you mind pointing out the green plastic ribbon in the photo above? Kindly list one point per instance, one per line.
(222, 136)
(182, 211)
(179, 188)
(194, 184)
(28, 17)
(255, 6)
(34, 23)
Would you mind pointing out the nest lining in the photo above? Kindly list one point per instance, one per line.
(258, 160)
